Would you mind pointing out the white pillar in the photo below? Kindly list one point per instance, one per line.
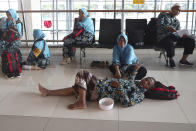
(32, 19)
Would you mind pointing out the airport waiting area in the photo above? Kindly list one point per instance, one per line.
(91, 65)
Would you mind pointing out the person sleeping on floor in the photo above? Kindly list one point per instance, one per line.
(88, 87)
(129, 92)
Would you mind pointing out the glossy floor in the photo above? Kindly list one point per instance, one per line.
(23, 109)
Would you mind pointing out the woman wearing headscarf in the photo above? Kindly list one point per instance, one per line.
(83, 33)
(124, 59)
(11, 23)
(39, 55)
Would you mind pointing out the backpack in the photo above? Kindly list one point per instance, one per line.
(12, 34)
(162, 92)
(11, 62)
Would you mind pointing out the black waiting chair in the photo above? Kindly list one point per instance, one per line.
(108, 32)
(135, 30)
(151, 38)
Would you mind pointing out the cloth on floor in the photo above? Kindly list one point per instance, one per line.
(100, 64)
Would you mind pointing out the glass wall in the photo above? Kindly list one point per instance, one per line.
(62, 22)
(7, 4)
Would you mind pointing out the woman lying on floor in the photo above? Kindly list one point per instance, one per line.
(89, 87)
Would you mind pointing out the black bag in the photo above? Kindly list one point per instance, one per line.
(1, 34)
(10, 62)
(162, 92)
(151, 33)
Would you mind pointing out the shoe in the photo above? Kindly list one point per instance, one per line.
(101, 64)
(18, 76)
(185, 63)
(172, 64)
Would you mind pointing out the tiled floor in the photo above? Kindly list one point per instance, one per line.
(23, 109)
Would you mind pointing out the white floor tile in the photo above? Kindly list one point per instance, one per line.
(154, 126)
(188, 105)
(92, 112)
(18, 123)
(5, 90)
(26, 101)
(81, 125)
(21, 97)
(153, 111)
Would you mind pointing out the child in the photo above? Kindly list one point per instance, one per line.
(88, 87)
(124, 59)
(39, 55)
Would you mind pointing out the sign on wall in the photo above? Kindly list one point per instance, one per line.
(138, 1)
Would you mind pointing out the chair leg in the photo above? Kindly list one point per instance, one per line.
(163, 52)
(160, 55)
(166, 58)
(83, 50)
(82, 54)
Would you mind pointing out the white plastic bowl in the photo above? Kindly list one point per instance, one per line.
(106, 103)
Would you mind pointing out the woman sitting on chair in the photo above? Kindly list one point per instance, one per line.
(83, 33)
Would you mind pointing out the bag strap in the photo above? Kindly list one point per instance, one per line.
(19, 21)
(43, 49)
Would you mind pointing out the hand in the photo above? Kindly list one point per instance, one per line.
(171, 29)
(64, 38)
(137, 66)
(115, 84)
(117, 75)
(184, 36)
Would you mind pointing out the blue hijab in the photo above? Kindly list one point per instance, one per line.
(38, 34)
(8, 22)
(123, 55)
(87, 22)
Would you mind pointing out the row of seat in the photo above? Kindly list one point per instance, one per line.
(111, 28)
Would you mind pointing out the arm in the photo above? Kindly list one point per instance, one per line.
(130, 98)
(117, 72)
(116, 62)
(116, 56)
(134, 73)
(19, 28)
(75, 32)
(164, 24)
(130, 57)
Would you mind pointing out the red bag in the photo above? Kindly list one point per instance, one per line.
(11, 62)
(11, 35)
(162, 92)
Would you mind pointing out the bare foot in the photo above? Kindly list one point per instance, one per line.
(43, 91)
(77, 105)
(68, 60)
(36, 68)
(51, 66)
(65, 61)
